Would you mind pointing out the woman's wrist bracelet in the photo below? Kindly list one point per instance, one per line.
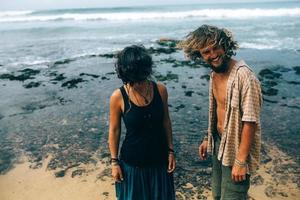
(114, 161)
(171, 151)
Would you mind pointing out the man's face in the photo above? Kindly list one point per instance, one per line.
(214, 55)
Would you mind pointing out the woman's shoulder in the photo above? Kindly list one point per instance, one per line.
(116, 95)
(162, 89)
(160, 86)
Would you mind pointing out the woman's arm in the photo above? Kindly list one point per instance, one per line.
(114, 132)
(167, 125)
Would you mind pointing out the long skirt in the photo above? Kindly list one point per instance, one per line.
(145, 183)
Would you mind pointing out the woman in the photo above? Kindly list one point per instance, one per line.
(144, 168)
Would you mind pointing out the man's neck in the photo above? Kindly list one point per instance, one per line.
(225, 74)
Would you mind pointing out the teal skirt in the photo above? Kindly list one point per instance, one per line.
(145, 183)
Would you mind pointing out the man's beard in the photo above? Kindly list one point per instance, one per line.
(221, 68)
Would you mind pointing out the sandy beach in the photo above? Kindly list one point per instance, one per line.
(25, 183)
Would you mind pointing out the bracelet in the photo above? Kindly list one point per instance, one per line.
(171, 151)
(205, 138)
(239, 163)
(114, 160)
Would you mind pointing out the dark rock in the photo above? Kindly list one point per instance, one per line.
(293, 82)
(72, 83)
(92, 75)
(269, 91)
(197, 107)
(105, 194)
(257, 180)
(104, 78)
(297, 69)
(160, 50)
(77, 172)
(32, 84)
(188, 93)
(64, 61)
(180, 106)
(169, 76)
(60, 174)
(25, 74)
(107, 55)
(283, 194)
(168, 42)
(269, 101)
(270, 191)
(269, 74)
(60, 77)
(206, 77)
(33, 106)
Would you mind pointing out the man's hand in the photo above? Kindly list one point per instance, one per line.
(238, 173)
(203, 150)
(116, 173)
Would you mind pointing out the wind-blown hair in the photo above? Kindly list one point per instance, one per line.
(133, 64)
(208, 35)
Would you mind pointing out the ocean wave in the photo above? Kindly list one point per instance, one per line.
(267, 43)
(124, 16)
(9, 14)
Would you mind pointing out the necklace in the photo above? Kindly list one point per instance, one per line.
(146, 96)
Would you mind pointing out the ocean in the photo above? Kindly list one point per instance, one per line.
(37, 38)
(57, 75)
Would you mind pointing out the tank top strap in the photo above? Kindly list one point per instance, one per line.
(156, 93)
(125, 98)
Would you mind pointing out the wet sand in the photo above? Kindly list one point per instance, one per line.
(25, 183)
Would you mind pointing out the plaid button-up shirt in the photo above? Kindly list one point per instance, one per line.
(243, 104)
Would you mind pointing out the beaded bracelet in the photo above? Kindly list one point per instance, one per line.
(114, 161)
(239, 163)
(205, 138)
(171, 151)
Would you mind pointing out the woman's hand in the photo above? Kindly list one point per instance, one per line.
(171, 162)
(116, 172)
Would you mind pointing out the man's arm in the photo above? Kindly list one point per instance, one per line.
(239, 168)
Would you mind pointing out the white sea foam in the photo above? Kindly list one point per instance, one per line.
(275, 43)
(123, 16)
(9, 14)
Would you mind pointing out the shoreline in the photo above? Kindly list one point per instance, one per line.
(26, 183)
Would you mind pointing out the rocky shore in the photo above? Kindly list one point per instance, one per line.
(56, 121)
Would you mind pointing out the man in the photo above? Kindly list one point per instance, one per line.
(234, 131)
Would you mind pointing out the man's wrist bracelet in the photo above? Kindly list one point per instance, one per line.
(205, 138)
(240, 163)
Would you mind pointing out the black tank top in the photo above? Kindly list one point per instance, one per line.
(145, 143)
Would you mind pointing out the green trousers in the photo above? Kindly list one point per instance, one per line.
(223, 187)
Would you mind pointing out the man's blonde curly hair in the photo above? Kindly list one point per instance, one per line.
(207, 35)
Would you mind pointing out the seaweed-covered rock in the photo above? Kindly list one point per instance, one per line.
(297, 69)
(23, 75)
(72, 83)
(168, 42)
(32, 84)
(167, 77)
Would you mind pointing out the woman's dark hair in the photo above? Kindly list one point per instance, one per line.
(208, 35)
(133, 64)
